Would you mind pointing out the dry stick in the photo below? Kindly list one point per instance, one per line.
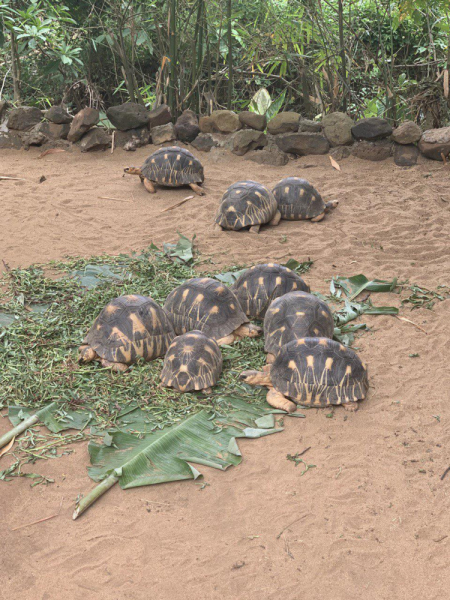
(412, 323)
(116, 199)
(41, 520)
(113, 141)
(177, 204)
(12, 178)
(447, 470)
(290, 525)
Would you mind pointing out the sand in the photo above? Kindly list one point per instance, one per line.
(371, 520)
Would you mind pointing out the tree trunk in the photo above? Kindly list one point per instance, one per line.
(15, 67)
(342, 54)
(230, 57)
(172, 56)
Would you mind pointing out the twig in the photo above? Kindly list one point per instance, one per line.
(41, 520)
(115, 199)
(447, 470)
(12, 178)
(412, 323)
(113, 141)
(290, 525)
(177, 204)
(304, 451)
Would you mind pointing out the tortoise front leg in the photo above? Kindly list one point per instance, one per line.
(276, 219)
(270, 358)
(228, 339)
(118, 367)
(217, 227)
(255, 228)
(318, 218)
(247, 330)
(277, 400)
(149, 186)
(197, 189)
(351, 407)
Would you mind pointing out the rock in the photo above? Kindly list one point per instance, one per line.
(162, 133)
(284, 122)
(58, 115)
(159, 116)
(406, 155)
(248, 139)
(223, 140)
(303, 143)
(218, 155)
(273, 157)
(140, 136)
(95, 139)
(204, 142)
(3, 108)
(53, 131)
(308, 125)
(206, 125)
(375, 151)
(33, 138)
(82, 122)
(128, 116)
(252, 120)
(337, 128)
(24, 118)
(10, 140)
(435, 142)
(371, 129)
(186, 128)
(225, 121)
(341, 152)
(407, 133)
(63, 144)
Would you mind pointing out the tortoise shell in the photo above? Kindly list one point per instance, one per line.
(173, 167)
(257, 287)
(193, 362)
(244, 204)
(207, 305)
(298, 199)
(293, 316)
(318, 372)
(129, 328)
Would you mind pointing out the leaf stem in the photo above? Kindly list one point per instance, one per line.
(93, 495)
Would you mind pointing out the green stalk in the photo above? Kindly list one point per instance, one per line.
(93, 495)
(342, 53)
(172, 54)
(230, 57)
(26, 424)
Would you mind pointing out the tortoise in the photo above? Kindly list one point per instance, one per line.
(312, 372)
(193, 362)
(170, 167)
(128, 328)
(205, 304)
(294, 316)
(298, 199)
(247, 204)
(258, 286)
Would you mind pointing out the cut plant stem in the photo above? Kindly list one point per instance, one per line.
(94, 494)
(18, 429)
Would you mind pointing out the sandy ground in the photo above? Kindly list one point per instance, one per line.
(371, 520)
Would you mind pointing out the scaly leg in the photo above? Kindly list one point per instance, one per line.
(351, 407)
(149, 186)
(207, 391)
(228, 339)
(255, 229)
(318, 218)
(247, 330)
(197, 189)
(277, 400)
(270, 358)
(118, 367)
(276, 219)
(217, 227)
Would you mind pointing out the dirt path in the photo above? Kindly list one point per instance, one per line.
(371, 520)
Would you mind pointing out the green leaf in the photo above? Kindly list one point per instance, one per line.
(93, 275)
(275, 107)
(182, 250)
(229, 277)
(165, 455)
(260, 102)
(353, 286)
(298, 267)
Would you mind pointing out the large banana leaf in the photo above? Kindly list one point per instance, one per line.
(206, 438)
(353, 286)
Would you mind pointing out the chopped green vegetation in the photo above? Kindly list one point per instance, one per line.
(422, 297)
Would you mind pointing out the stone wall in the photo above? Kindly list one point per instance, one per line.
(286, 136)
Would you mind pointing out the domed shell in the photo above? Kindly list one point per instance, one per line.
(244, 204)
(298, 199)
(173, 167)
(258, 286)
(318, 372)
(294, 316)
(193, 362)
(207, 305)
(131, 327)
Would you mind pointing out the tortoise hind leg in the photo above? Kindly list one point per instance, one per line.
(351, 406)
(149, 186)
(277, 400)
(197, 189)
(276, 219)
(255, 228)
(118, 367)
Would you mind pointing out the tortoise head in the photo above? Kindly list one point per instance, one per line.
(255, 377)
(331, 205)
(132, 170)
